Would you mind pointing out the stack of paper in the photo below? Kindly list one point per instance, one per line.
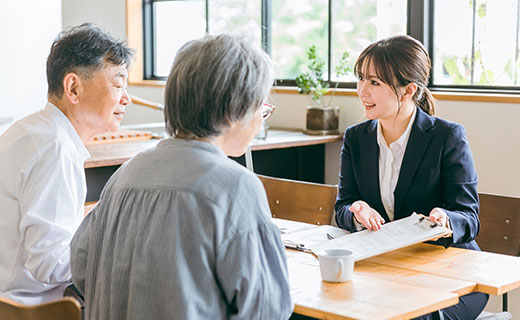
(301, 236)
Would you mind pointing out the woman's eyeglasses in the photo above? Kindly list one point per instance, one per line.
(267, 110)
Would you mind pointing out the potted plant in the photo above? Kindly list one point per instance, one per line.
(322, 118)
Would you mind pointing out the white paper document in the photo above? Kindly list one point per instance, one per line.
(300, 235)
(393, 235)
(307, 238)
(289, 226)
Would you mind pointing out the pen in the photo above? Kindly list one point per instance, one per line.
(435, 224)
(294, 246)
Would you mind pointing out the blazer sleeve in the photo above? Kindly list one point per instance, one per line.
(459, 188)
(348, 191)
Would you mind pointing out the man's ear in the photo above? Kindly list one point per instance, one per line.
(71, 87)
(409, 91)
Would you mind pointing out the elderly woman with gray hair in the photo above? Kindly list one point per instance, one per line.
(181, 231)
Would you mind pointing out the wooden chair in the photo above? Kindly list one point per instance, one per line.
(64, 309)
(300, 201)
(499, 226)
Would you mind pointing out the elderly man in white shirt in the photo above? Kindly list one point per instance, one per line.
(42, 185)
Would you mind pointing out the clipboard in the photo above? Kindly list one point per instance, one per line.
(393, 235)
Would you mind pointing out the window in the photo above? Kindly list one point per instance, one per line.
(461, 36)
(287, 30)
(356, 24)
(293, 30)
(176, 22)
(482, 50)
(171, 17)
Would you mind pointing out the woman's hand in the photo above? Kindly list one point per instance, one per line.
(439, 216)
(366, 216)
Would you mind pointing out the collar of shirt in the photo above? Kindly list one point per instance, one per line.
(200, 144)
(66, 125)
(403, 139)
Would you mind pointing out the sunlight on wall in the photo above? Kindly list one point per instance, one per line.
(27, 31)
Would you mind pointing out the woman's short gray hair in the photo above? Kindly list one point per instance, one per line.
(215, 81)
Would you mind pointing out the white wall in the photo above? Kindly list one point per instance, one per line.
(27, 29)
(110, 14)
(494, 135)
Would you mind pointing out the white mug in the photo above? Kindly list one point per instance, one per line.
(336, 265)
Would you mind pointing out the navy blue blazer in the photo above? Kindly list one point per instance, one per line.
(437, 171)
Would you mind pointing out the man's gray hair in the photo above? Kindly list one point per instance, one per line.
(84, 49)
(215, 81)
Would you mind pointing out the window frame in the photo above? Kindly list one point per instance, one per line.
(419, 25)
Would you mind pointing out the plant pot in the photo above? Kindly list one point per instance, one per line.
(322, 120)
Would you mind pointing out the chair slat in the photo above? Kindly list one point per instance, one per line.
(300, 201)
(64, 309)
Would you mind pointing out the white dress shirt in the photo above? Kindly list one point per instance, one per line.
(390, 160)
(42, 195)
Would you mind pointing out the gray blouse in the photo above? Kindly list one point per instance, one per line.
(181, 232)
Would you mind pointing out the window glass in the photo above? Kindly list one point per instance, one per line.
(358, 23)
(176, 22)
(236, 17)
(295, 28)
(476, 43)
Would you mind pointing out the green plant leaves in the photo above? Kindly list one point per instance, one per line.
(312, 82)
(342, 68)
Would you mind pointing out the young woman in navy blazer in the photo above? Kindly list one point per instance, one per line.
(404, 160)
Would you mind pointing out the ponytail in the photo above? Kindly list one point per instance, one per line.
(425, 100)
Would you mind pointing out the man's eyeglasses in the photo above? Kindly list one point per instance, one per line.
(267, 110)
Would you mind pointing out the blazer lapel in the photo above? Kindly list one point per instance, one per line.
(369, 167)
(415, 149)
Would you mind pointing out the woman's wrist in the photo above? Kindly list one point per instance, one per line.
(355, 219)
(357, 225)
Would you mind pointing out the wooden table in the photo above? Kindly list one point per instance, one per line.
(493, 273)
(401, 284)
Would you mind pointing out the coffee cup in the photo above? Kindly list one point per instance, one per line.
(336, 265)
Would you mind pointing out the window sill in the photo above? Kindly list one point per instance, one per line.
(438, 95)
(147, 83)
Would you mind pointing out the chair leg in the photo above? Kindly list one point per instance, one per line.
(437, 315)
(504, 302)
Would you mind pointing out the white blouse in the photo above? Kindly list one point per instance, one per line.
(390, 160)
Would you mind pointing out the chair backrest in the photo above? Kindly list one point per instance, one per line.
(65, 309)
(300, 201)
(499, 224)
